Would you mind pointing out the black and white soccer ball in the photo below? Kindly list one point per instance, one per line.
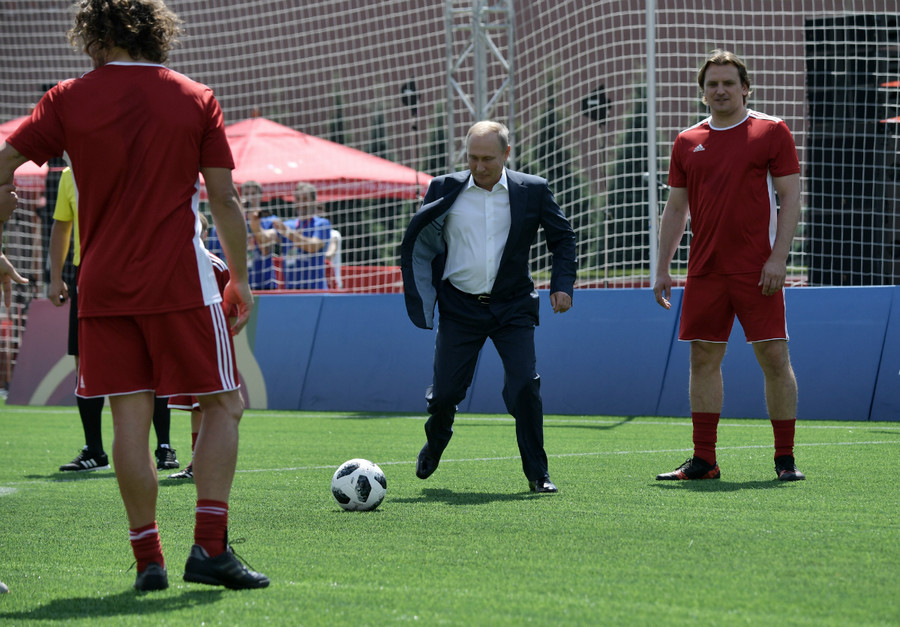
(358, 485)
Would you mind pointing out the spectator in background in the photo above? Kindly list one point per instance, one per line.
(263, 239)
(304, 242)
(60, 291)
(333, 259)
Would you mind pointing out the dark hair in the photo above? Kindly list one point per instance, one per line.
(724, 57)
(144, 28)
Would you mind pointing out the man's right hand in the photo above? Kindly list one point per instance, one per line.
(662, 289)
(58, 292)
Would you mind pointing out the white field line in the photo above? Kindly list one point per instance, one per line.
(588, 420)
(757, 423)
(101, 474)
(589, 454)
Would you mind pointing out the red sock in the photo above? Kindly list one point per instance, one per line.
(146, 547)
(784, 436)
(705, 435)
(211, 528)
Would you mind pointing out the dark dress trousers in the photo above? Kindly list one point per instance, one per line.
(508, 317)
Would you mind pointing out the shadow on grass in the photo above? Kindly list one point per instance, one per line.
(570, 423)
(449, 497)
(74, 476)
(373, 415)
(594, 426)
(125, 603)
(721, 486)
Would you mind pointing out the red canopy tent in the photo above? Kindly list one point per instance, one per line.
(278, 157)
(28, 175)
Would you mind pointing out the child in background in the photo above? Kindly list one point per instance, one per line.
(190, 403)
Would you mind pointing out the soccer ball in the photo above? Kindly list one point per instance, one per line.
(358, 484)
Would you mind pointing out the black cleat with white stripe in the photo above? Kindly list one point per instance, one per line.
(86, 461)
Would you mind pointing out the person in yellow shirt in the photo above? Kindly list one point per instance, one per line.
(92, 456)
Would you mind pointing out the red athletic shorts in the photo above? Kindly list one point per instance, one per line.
(711, 301)
(187, 352)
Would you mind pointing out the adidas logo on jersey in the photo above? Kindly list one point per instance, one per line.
(699, 148)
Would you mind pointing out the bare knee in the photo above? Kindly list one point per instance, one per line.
(773, 357)
(706, 357)
(222, 405)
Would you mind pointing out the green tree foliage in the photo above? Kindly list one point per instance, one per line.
(436, 159)
(627, 224)
(551, 156)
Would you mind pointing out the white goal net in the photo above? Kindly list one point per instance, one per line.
(593, 90)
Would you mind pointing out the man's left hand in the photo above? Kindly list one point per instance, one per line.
(238, 300)
(561, 302)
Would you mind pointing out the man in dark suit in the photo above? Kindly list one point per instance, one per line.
(467, 249)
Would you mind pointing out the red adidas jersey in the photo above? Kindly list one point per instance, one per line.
(137, 135)
(728, 175)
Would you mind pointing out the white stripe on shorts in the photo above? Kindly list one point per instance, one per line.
(223, 346)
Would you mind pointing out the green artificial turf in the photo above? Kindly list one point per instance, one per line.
(471, 545)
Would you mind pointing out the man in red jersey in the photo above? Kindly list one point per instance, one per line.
(724, 174)
(150, 313)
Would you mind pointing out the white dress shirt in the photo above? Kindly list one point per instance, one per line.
(476, 230)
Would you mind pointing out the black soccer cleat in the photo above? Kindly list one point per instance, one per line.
(787, 470)
(165, 459)
(222, 570)
(154, 577)
(543, 486)
(693, 468)
(87, 461)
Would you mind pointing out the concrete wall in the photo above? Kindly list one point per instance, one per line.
(614, 353)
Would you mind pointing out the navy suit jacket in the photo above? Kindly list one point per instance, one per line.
(423, 250)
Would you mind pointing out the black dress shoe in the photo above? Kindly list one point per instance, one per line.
(427, 463)
(543, 485)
